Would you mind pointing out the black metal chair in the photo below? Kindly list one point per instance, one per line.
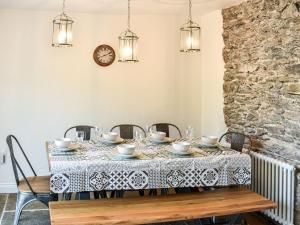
(33, 188)
(165, 127)
(236, 140)
(85, 128)
(127, 130)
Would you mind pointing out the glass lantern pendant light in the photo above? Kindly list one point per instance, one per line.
(128, 43)
(190, 34)
(62, 30)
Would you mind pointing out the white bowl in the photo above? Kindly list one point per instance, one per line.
(63, 142)
(110, 136)
(210, 140)
(158, 135)
(182, 146)
(126, 149)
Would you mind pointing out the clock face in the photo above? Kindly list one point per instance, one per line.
(104, 55)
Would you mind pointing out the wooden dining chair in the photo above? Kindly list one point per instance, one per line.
(127, 130)
(165, 127)
(85, 128)
(33, 188)
(237, 140)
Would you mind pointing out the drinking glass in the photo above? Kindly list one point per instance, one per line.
(79, 136)
(138, 137)
(189, 133)
(98, 133)
(149, 129)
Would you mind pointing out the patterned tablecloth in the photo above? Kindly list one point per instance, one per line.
(96, 167)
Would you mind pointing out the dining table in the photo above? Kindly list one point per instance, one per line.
(96, 166)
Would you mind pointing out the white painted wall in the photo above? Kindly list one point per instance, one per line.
(45, 90)
(212, 72)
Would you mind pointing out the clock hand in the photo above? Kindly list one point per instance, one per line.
(105, 55)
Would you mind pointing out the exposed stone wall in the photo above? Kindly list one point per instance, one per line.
(262, 77)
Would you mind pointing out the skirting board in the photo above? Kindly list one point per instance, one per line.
(8, 188)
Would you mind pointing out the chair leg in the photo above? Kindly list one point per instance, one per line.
(101, 194)
(112, 194)
(153, 192)
(141, 192)
(164, 191)
(119, 194)
(67, 196)
(22, 201)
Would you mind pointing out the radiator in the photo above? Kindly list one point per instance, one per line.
(275, 180)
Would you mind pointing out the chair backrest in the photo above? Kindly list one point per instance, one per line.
(15, 164)
(127, 130)
(85, 128)
(236, 139)
(165, 127)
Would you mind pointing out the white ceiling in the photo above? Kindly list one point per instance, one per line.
(120, 6)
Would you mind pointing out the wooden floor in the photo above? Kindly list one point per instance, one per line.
(179, 207)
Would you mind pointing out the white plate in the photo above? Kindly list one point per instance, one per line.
(181, 153)
(72, 147)
(124, 157)
(118, 141)
(203, 145)
(165, 140)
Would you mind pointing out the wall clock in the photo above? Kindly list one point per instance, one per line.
(104, 55)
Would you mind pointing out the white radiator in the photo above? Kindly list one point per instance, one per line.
(275, 180)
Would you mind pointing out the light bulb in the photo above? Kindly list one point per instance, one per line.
(127, 51)
(62, 37)
(189, 42)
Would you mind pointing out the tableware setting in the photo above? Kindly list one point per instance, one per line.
(111, 138)
(125, 152)
(65, 144)
(181, 148)
(159, 137)
(208, 142)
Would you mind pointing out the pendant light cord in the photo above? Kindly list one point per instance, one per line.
(190, 10)
(63, 7)
(128, 19)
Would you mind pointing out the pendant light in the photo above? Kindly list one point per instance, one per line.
(190, 34)
(128, 43)
(62, 30)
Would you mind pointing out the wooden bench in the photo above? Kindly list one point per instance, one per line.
(144, 210)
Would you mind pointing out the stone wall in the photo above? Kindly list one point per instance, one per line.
(262, 77)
